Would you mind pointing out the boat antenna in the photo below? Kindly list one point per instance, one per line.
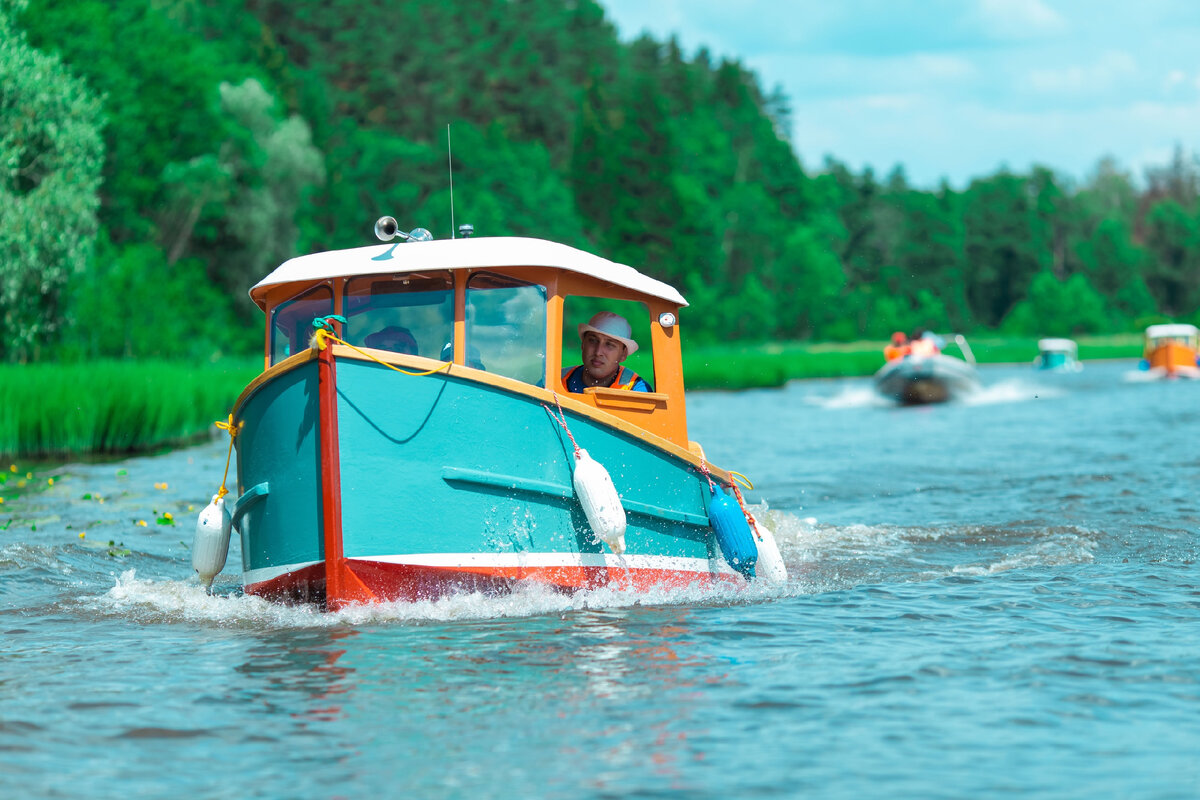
(450, 164)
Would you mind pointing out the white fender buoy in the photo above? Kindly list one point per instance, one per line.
(770, 566)
(600, 501)
(210, 546)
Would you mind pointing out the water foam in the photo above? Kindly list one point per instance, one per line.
(1016, 390)
(170, 601)
(823, 557)
(850, 397)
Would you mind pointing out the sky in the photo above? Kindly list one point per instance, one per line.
(958, 89)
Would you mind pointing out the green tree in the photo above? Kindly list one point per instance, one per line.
(52, 154)
(1006, 244)
(1058, 308)
(1173, 240)
(236, 208)
(1114, 265)
(158, 81)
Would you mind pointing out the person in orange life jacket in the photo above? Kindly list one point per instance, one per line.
(898, 348)
(605, 341)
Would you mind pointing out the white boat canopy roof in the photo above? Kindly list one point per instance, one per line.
(1057, 345)
(473, 253)
(1171, 329)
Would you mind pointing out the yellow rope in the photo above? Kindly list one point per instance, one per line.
(233, 432)
(321, 335)
(742, 479)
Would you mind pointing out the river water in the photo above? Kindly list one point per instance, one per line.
(993, 598)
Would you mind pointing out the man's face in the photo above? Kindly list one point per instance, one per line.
(601, 355)
(397, 343)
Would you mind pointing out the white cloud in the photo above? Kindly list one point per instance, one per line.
(957, 87)
(943, 66)
(890, 102)
(1100, 76)
(1020, 19)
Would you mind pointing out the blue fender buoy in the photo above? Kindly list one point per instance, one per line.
(732, 531)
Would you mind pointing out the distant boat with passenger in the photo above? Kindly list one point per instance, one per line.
(918, 372)
(1171, 351)
(369, 471)
(1057, 355)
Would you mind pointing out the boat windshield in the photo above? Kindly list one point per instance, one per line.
(291, 321)
(411, 313)
(1186, 341)
(506, 327)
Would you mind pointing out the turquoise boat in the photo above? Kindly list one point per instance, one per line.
(453, 463)
(1057, 355)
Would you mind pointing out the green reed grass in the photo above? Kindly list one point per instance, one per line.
(112, 407)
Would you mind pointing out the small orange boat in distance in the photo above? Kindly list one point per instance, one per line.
(1170, 350)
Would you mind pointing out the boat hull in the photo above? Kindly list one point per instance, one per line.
(917, 380)
(1173, 360)
(451, 484)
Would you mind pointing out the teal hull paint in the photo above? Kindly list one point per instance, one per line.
(278, 445)
(441, 464)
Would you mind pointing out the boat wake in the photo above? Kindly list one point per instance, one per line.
(1011, 391)
(827, 558)
(819, 558)
(850, 397)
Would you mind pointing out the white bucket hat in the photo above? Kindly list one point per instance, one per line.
(614, 326)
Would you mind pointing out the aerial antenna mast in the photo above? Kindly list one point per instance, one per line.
(450, 164)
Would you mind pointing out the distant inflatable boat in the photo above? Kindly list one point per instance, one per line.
(918, 379)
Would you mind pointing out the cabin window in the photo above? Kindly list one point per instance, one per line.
(578, 310)
(506, 327)
(291, 321)
(411, 313)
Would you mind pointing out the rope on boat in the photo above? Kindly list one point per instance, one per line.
(232, 430)
(737, 478)
(707, 475)
(561, 419)
(323, 334)
(742, 479)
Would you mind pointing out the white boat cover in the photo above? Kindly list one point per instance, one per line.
(1181, 329)
(473, 253)
(1056, 345)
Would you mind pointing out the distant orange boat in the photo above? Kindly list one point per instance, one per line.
(1171, 350)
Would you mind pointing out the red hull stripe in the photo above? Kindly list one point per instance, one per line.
(408, 581)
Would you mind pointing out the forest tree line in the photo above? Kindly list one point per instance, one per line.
(160, 158)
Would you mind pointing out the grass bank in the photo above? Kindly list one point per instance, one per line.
(53, 411)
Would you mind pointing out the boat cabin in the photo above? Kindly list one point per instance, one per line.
(1057, 354)
(1171, 333)
(503, 310)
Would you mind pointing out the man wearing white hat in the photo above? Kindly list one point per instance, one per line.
(605, 342)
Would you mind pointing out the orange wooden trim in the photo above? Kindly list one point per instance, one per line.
(554, 324)
(626, 399)
(342, 586)
(460, 316)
